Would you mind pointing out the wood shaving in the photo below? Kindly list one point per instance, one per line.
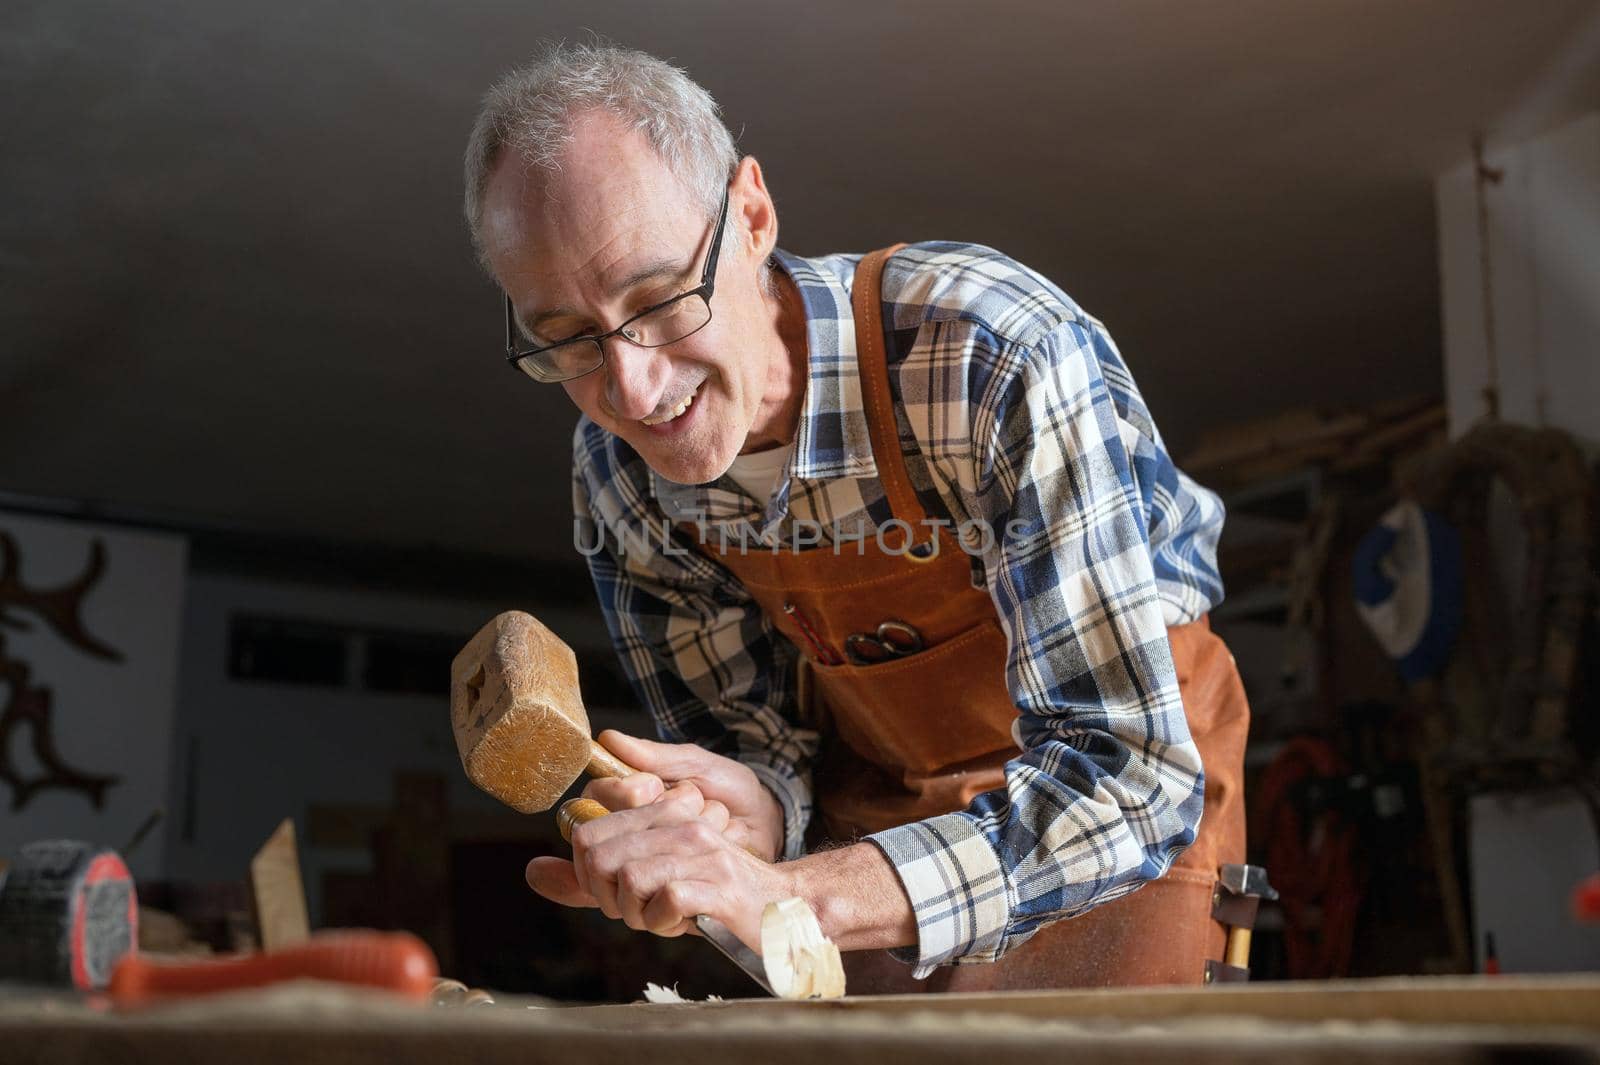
(800, 961)
(668, 995)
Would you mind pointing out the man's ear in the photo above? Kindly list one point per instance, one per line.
(753, 209)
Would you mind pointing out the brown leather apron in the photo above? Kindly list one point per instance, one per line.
(922, 735)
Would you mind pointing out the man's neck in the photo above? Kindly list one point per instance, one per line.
(787, 373)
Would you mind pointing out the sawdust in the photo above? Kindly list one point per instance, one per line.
(668, 996)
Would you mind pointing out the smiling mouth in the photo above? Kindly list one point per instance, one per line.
(674, 412)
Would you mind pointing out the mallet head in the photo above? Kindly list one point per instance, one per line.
(517, 715)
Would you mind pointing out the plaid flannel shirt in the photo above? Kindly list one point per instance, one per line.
(1014, 409)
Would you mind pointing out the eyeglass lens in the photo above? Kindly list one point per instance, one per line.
(661, 326)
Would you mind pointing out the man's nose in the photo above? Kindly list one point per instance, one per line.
(634, 378)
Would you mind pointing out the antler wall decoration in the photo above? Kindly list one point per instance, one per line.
(59, 609)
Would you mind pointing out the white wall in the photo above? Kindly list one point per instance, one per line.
(108, 717)
(1544, 279)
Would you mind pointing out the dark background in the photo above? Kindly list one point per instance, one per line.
(232, 247)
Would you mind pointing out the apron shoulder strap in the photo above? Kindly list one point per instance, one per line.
(866, 299)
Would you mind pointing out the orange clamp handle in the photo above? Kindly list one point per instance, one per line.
(392, 961)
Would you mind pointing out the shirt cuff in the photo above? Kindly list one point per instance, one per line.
(957, 887)
(794, 795)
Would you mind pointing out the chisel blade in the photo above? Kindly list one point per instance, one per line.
(733, 948)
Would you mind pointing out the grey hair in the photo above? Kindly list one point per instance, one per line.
(530, 111)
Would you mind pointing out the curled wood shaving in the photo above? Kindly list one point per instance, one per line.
(800, 961)
(668, 995)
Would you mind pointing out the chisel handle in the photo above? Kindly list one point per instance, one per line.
(575, 812)
(392, 961)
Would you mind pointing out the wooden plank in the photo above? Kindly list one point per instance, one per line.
(1488, 1000)
(276, 891)
(330, 1025)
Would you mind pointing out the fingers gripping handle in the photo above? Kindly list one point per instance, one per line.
(574, 812)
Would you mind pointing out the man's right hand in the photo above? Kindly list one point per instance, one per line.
(755, 820)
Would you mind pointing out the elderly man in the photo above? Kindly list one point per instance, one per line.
(890, 548)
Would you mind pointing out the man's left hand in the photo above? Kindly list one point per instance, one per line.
(657, 866)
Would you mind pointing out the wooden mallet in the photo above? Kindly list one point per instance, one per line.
(518, 717)
(524, 738)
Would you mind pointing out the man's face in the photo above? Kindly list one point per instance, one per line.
(612, 233)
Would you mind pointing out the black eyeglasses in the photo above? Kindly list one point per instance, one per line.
(654, 327)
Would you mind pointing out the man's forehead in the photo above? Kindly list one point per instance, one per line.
(570, 263)
(602, 158)
(596, 247)
(582, 213)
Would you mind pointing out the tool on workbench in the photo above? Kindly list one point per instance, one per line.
(390, 961)
(1235, 903)
(68, 913)
(523, 735)
(890, 640)
(278, 899)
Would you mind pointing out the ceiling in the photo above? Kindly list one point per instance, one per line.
(235, 288)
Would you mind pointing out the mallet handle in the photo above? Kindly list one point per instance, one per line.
(602, 763)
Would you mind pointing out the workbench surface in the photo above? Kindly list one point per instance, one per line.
(1396, 1020)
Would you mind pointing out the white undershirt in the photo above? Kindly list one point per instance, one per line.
(758, 472)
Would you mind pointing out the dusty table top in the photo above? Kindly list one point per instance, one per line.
(1399, 1020)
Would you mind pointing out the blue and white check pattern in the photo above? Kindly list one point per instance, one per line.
(1014, 409)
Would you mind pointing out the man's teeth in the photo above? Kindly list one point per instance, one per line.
(683, 405)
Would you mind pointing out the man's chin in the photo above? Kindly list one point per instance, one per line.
(680, 467)
(679, 471)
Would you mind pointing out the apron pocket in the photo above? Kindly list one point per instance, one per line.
(944, 705)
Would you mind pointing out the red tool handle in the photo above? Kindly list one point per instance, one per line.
(394, 961)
